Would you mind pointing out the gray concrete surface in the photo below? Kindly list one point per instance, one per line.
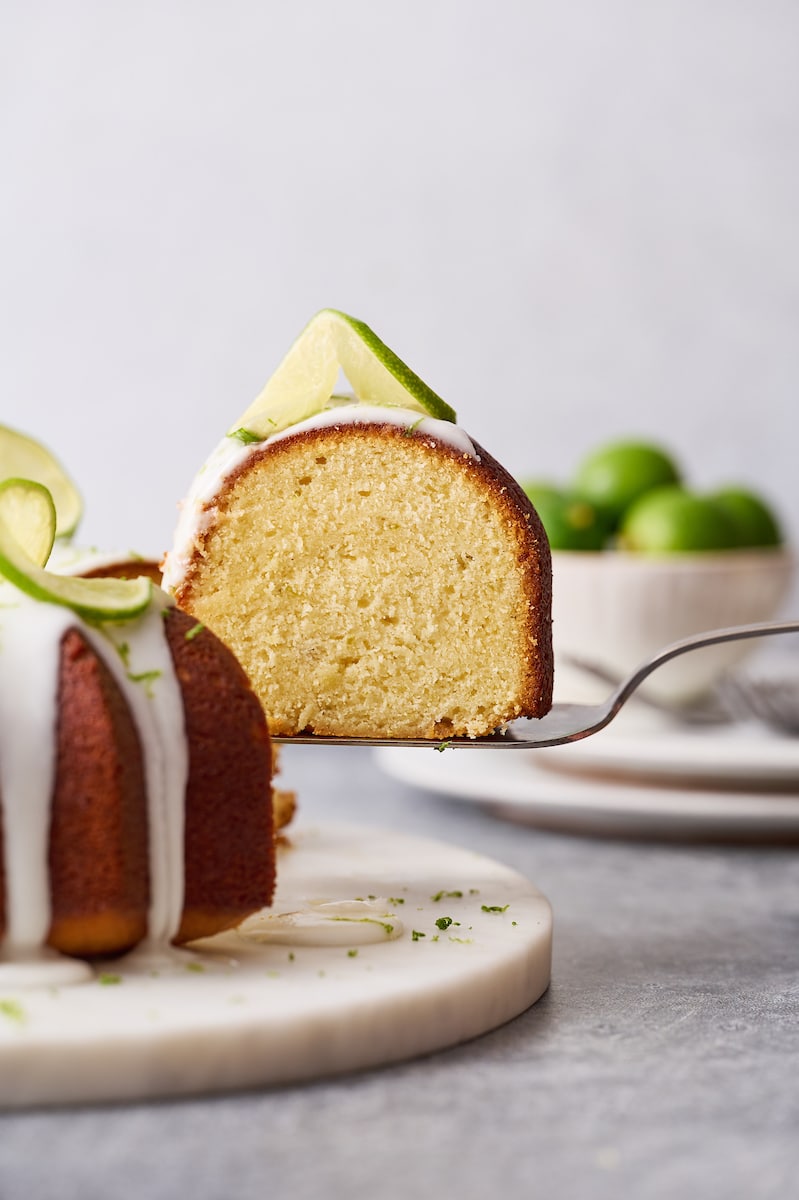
(661, 1064)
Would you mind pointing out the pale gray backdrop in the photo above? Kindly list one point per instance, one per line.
(576, 220)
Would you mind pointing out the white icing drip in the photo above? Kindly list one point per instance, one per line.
(197, 511)
(157, 705)
(30, 640)
(326, 923)
(344, 411)
(41, 968)
(159, 958)
(195, 514)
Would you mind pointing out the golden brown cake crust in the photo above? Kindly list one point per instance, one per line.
(229, 843)
(521, 521)
(99, 859)
(536, 556)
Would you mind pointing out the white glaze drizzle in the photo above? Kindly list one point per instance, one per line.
(326, 923)
(345, 410)
(149, 683)
(198, 512)
(41, 968)
(30, 639)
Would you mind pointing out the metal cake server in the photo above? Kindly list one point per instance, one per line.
(564, 722)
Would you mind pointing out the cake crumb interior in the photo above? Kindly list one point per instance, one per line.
(369, 591)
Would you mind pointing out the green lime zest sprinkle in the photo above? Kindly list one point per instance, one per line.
(148, 678)
(442, 746)
(14, 1011)
(245, 436)
(456, 895)
(123, 650)
(352, 954)
(196, 967)
(444, 922)
(396, 900)
(462, 941)
(291, 956)
(107, 979)
(191, 634)
(416, 934)
(411, 429)
(143, 676)
(494, 908)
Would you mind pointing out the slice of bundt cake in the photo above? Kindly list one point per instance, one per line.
(135, 765)
(375, 571)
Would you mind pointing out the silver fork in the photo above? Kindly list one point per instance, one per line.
(564, 722)
(773, 702)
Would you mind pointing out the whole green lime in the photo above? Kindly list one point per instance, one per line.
(754, 521)
(613, 477)
(571, 523)
(671, 520)
(540, 490)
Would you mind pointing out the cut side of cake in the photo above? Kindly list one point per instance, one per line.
(376, 573)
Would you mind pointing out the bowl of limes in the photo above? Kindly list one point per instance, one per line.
(641, 559)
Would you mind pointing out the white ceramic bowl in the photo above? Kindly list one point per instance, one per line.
(616, 609)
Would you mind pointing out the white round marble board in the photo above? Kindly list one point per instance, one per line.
(521, 786)
(390, 983)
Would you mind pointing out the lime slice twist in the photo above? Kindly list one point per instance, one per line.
(306, 379)
(28, 510)
(22, 457)
(27, 529)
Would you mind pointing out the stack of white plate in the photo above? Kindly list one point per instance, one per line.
(643, 776)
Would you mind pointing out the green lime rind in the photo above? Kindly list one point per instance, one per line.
(22, 457)
(360, 360)
(92, 599)
(28, 509)
(305, 380)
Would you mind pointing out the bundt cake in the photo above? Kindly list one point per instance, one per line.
(91, 564)
(135, 770)
(376, 572)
